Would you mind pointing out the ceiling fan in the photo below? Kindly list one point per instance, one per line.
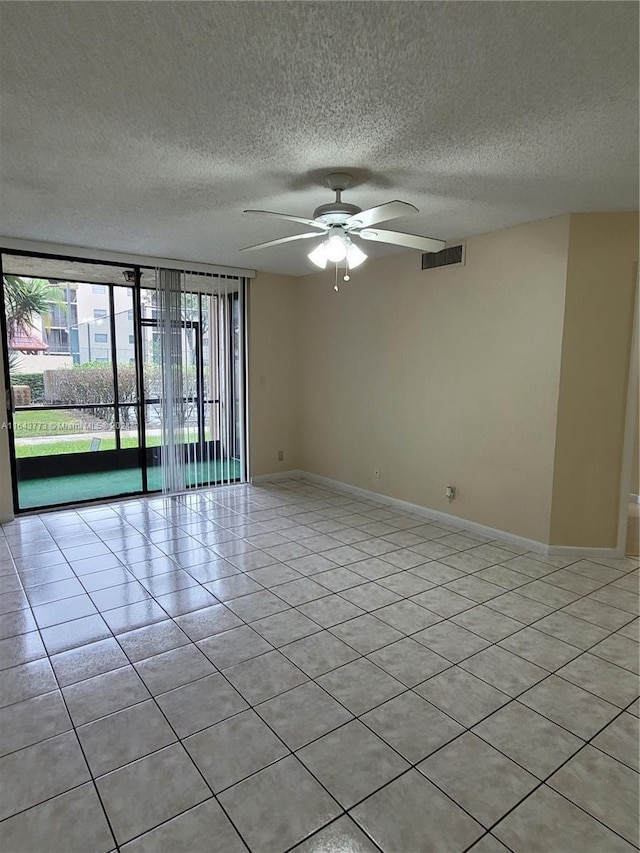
(337, 222)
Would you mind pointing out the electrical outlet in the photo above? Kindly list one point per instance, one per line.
(450, 493)
(280, 455)
(376, 473)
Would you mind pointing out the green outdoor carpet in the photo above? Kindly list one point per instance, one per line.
(76, 488)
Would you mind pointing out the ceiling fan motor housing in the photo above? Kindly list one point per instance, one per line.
(335, 213)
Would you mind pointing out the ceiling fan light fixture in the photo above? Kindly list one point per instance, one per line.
(319, 256)
(355, 256)
(336, 249)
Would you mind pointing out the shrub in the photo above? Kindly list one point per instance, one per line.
(35, 381)
(92, 383)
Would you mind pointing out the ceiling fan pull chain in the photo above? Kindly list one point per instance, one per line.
(335, 286)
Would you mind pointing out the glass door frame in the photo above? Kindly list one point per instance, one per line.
(213, 322)
(140, 406)
(114, 406)
(196, 325)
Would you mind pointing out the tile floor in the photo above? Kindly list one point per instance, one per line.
(282, 667)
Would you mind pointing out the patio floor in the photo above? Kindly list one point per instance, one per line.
(51, 491)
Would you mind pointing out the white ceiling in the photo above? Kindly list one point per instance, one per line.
(147, 127)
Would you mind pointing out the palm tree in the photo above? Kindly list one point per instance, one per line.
(25, 299)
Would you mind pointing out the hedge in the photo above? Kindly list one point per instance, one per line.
(35, 381)
(92, 383)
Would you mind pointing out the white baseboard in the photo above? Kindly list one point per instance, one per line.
(635, 499)
(587, 553)
(437, 515)
(429, 514)
(277, 475)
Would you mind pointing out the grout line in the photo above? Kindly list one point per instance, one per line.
(397, 570)
(81, 748)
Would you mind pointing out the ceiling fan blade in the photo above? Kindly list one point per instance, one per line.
(281, 240)
(382, 213)
(301, 219)
(397, 238)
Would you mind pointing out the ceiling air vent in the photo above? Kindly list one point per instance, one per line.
(445, 258)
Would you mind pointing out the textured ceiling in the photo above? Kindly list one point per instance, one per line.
(148, 127)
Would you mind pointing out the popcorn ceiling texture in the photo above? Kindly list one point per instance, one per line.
(148, 127)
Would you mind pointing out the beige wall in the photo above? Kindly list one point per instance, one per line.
(635, 465)
(274, 357)
(442, 377)
(38, 363)
(601, 275)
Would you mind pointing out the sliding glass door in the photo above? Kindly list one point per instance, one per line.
(208, 339)
(85, 386)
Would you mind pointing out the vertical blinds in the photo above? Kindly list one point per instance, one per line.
(200, 329)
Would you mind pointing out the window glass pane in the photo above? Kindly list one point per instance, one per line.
(89, 378)
(66, 427)
(148, 303)
(190, 306)
(126, 354)
(51, 432)
(154, 424)
(57, 339)
(128, 427)
(58, 353)
(153, 414)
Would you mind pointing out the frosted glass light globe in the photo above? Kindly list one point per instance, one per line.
(336, 249)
